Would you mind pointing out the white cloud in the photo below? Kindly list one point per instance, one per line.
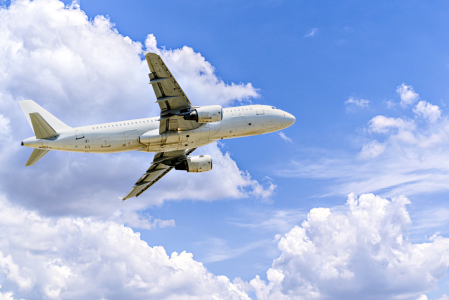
(345, 255)
(84, 72)
(407, 94)
(352, 103)
(311, 33)
(428, 111)
(6, 296)
(390, 104)
(424, 297)
(382, 124)
(284, 137)
(197, 76)
(78, 258)
(371, 150)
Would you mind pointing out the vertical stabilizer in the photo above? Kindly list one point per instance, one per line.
(36, 156)
(42, 130)
(29, 107)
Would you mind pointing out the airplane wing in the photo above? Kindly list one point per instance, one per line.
(171, 98)
(163, 163)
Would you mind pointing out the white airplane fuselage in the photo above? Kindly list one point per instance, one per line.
(143, 134)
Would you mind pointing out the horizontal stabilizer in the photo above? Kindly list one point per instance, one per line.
(42, 130)
(36, 156)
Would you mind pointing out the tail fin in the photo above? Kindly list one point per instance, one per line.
(42, 130)
(30, 107)
(35, 156)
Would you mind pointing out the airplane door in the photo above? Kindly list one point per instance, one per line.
(79, 134)
(239, 124)
(131, 137)
(105, 142)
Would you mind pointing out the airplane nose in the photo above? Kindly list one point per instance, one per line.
(289, 120)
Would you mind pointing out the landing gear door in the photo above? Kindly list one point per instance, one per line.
(79, 134)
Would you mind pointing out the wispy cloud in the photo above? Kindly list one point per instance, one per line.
(352, 104)
(284, 137)
(219, 249)
(399, 156)
(311, 33)
(276, 221)
(389, 104)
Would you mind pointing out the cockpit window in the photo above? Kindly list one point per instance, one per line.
(273, 107)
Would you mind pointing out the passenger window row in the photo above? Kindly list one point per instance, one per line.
(238, 109)
(122, 124)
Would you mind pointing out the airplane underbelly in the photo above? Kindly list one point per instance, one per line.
(174, 140)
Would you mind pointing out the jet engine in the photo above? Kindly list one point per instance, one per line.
(201, 163)
(206, 114)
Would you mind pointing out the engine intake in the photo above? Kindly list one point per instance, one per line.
(206, 114)
(201, 163)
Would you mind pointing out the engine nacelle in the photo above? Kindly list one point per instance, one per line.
(201, 163)
(206, 114)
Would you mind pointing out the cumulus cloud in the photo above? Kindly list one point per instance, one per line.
(362, 253)
(197, 76)
(352, 104)
(428, 111)
(79, 258)
(85, 72)
(407, 94)
(382, 124)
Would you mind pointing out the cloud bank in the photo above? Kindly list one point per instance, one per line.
(360, 252)
(363, 253)
(78, 258)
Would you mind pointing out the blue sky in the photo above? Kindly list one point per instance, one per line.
(366, 81)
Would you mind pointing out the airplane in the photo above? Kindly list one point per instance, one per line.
(174, 135)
